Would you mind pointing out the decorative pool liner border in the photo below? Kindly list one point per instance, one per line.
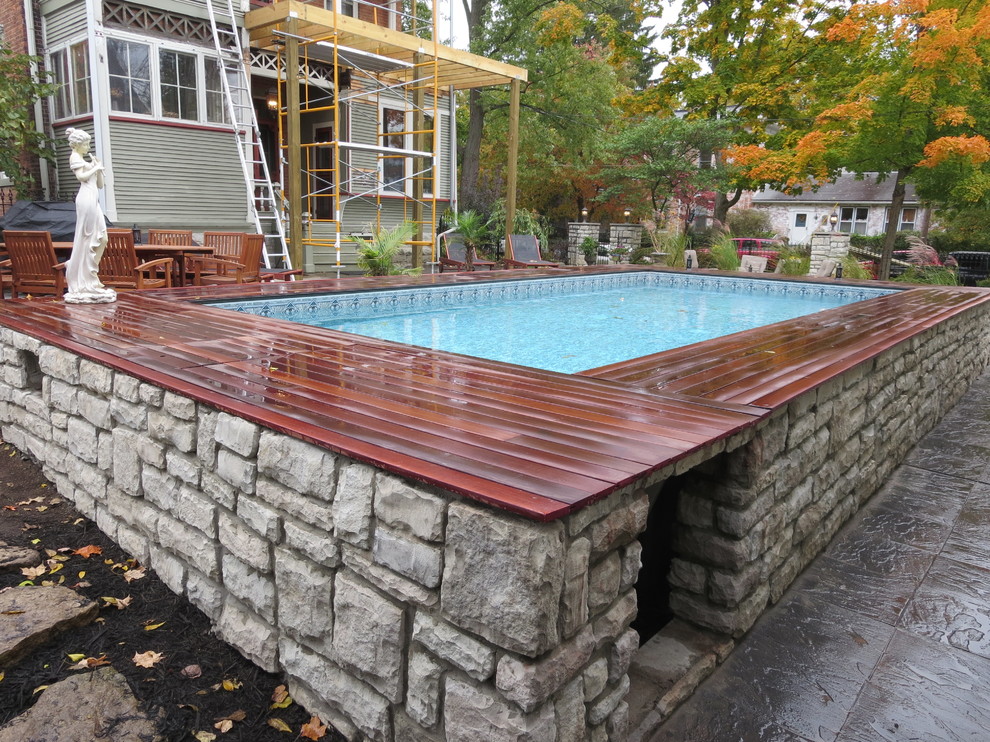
(421, 298)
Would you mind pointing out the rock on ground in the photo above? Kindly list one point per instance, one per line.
(30, 616)
(14, 557)
(92, 707)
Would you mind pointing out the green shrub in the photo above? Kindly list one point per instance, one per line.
(750, 223)
(929, 274)
(794, 262)
(724, 255)
(852, 268)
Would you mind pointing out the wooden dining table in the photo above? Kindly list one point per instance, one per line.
(151, 252)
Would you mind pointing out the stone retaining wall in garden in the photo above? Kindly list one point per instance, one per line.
(401, 611)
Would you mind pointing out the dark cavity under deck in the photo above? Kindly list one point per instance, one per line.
(534, 442)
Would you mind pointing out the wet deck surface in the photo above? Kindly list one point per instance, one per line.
(886, 636)
(534, 442)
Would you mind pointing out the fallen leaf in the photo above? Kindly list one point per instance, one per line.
(9, 507)
(153, 626)
(231, 684)
(281, 698)
(224, 726)
(82, 583)
(148, 659)
(204, 736)
(41, 508)
(32, 572)
(191, 671)
(38, 689)
(87, 551)
(135, 574)
(276, 723)
(313, 729)
(2, 674)
(77, 521)
(11, 613)
(118, 603)
(89, 662)
(239, 715)
(75, 657)
(32, 500)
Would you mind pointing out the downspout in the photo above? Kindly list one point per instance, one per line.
(39, 117)
(99, 94)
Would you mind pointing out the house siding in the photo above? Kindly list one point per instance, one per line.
(164, 175)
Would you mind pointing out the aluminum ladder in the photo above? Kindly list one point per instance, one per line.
(264, 204)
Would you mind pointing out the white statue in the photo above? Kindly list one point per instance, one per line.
(81, 272)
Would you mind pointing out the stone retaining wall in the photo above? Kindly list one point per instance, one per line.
(399, 611)
(402, 612)
(751, 519)
(828, 246)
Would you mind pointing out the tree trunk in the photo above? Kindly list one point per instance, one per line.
(893, 216)
(470, 159)
(724, 202)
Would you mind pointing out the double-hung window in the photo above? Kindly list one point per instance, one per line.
(152, 78)
(393, 136)
(909, 217)
(129, 65)
(853, 219)
(70, 67)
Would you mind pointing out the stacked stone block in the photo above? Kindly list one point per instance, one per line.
(627, 235)
(752, 518)
(398, 611)
(576, 232)
(828, 246)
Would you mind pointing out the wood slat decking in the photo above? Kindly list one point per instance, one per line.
(533, 442)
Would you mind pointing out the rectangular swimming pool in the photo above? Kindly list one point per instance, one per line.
(563, 324)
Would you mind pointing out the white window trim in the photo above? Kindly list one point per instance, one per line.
(203, 56)
(69, 84)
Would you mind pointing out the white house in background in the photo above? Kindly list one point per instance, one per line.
(859, 204)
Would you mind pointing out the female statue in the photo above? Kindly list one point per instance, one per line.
(81, 271)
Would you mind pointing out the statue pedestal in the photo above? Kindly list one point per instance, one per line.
(104, 296)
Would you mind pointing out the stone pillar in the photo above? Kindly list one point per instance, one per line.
(576, 232)
(828, 246)
(628, 236)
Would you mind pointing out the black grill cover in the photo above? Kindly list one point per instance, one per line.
(57, 217)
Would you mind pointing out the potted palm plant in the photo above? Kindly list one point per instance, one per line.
(377, 256)
(473, 228)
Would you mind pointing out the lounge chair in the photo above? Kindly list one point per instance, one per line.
(826, 268)
(752, 264)
(455, 255)
(120, 269)
(34, 269)
(170, 237)
(525, 252)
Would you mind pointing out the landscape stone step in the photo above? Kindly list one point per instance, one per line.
(95, 706)
(12, 558)
(30, 616)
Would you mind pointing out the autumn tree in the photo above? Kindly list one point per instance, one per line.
(579, 55)
(751, 62)
(913, 106)
(20, 86)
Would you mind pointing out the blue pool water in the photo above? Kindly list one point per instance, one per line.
(563, 324)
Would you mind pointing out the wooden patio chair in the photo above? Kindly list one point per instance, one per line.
(454, 255)
(121, 270)
(244, 268)
(34, 269)
(226, 245)
(170, 237)
(525, 252)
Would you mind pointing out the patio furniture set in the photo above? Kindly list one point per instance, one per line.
(35, 265)
(524, 250)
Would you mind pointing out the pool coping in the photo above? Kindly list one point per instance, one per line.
(536, 443)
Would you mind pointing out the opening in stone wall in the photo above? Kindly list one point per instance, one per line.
(652, 587)
(32, 369)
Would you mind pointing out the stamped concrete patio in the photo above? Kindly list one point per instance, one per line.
(886, 636)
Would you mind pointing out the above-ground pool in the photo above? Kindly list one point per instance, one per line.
(563, 324)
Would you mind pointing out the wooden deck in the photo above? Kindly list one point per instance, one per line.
(534, 442)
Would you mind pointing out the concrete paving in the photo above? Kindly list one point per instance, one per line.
(886, 636)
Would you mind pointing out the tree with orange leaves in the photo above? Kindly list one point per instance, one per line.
(908, 83)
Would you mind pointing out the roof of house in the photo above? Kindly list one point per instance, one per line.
(847, 189)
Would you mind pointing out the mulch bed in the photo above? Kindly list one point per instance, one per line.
(187, 705)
